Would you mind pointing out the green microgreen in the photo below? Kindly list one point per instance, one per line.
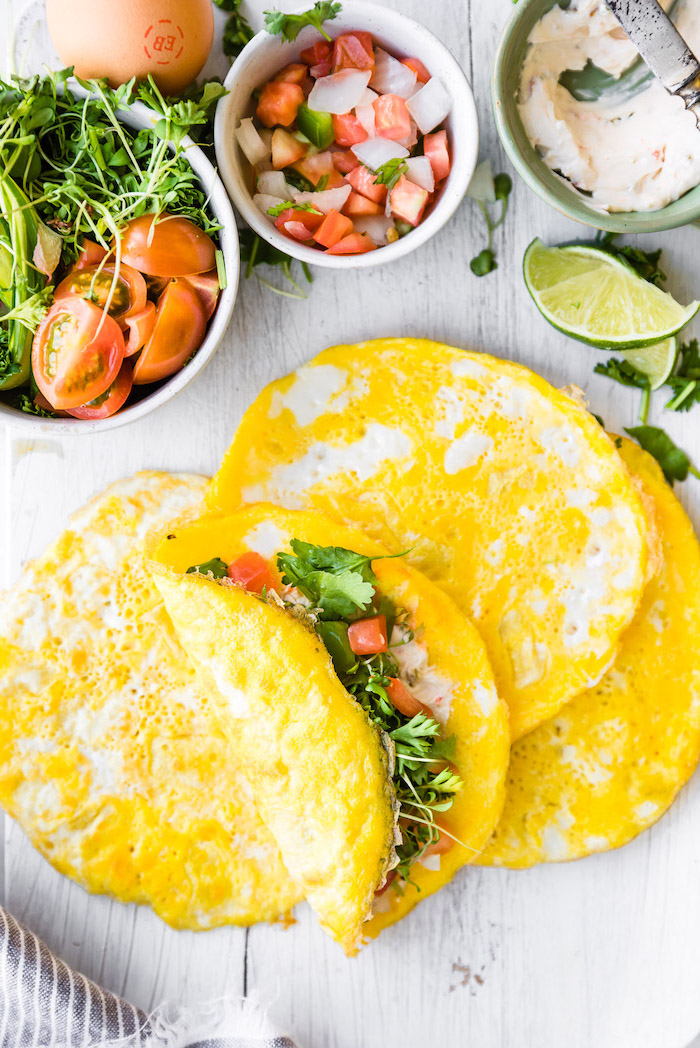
(489, 191)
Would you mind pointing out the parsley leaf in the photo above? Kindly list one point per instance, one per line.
(389, 173)
(287, 205)
(673, 460)
(215, 567)
(623, 372)
(289, 26)
(337, 581)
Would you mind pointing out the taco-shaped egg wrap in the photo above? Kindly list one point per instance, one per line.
(358, 697)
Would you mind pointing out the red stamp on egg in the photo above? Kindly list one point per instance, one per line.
(164, 41)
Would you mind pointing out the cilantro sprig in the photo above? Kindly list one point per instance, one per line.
(237, 31)
(390, 172)
(673, 460)
(289, 26)
(337, 581)
(289, 205)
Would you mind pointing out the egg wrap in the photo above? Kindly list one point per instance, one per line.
(508, 493)
(612, 762)
(110, 759)
(240, 642)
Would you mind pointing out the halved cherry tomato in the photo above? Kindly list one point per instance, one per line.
(41, 402)
(139, 329)
(363, 180)
(391, 117)
(318, 52)
(110, 401)
(354, 244)
(353, 51)
(408, 201)
(295, 73)
(208, 288)
(348, 130)
(76, 353)
(437, 151)
(299, 225)
(91, 254)
(400, 697)
(167, 246)
(93, 283)
(345, 160)
(368, 636)
(441, 845)
(178, 332)
(357, 205)
(333, 228)
(253, 572)
(418, 68)
(278, 103)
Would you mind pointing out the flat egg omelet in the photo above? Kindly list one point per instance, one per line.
(316, 765)
(505, 490)
(109, 757)
(612, 761)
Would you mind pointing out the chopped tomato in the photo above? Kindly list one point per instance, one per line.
(253, 572)
(391, 876)
(437, 151)
(354, 244)
(318, 52)
(91, 254)
(139, 329)
(368, 636)
(286, 149)
(400, 697)
(94, 284)
(322, 69)
(418, 68)
(314, 167)
(40, 401)
(441, 845)
(278, 103)
(353, 51)
(348, 130)
(77, 352)
(110, 401)
(391, 116)
(357, 205)
(177, 333)
(333, 228)
(363, 180)
(208, 288)
(408, 201)
(345, 160)
(295, 73)
(299, 225)
(167, 246)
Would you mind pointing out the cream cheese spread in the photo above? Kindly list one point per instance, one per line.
(634, 153)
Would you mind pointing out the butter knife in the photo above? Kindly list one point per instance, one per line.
(661, 46)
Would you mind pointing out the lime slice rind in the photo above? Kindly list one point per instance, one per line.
(595, 297)
(656, 362)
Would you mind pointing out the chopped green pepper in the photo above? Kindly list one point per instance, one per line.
(317, 127)
(335, 637)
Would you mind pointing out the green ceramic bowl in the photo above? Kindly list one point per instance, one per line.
(529, 164)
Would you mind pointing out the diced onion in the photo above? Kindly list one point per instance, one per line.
(251, 143)
(365, 114)
(264, 201)
(376, 225)
(420, 172)
(482, 186)
(340, 92)
(430, 105)
(368, 97)
(391, 77)
(326, 200)
(374, 152)
(273, 183)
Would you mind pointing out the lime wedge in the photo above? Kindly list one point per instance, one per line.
(597, 298)
(656, 362)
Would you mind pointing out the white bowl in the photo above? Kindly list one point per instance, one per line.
(139, 116)
(265, 55)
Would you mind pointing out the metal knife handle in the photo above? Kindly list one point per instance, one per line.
(661, 46)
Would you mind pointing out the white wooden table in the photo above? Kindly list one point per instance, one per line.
(601, 953)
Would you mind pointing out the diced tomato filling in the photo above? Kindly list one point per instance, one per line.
(295, 73)
(279, 103)
(363, 180)
(368, 636)
(252, 572)
(392, 118)
(299, 225)
(353, 51)
(400, 697)
(345, 161)
(418, 68)
(408, 201)
(348, 130)
(315, 166)
(333, 228)
(355, 244)
(357, 205)
(437, 151)
(318, 52)
(286, 149)
(322, 69)
(441, 845)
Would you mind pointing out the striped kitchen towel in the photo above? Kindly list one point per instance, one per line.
(45, 1003)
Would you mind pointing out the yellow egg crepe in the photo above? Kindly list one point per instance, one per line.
(511, 496)
(316, 765)
(610, 764)
(109, 757)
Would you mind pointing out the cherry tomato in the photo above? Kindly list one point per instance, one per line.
(178, 332)
(400, 697)
(91, 254)
(91, 282)
(208, 288)
(76, 353)
(253, 572)
(139, 329)
(109, 402)
(368, 636)
(167, 246)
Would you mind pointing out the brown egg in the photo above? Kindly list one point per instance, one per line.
(118, 39)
